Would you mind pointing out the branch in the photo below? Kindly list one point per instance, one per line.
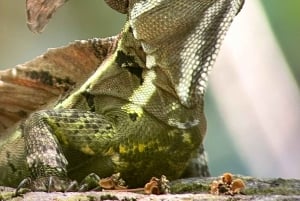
(183, 189)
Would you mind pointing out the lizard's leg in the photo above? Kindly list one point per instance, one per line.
(47, 132)
(198, 166)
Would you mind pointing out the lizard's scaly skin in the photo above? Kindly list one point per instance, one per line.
(141, 112)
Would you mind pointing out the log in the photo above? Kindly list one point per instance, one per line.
(181, 190)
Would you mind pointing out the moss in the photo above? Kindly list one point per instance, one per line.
(277, 186)
(254, 186)
(191, 185)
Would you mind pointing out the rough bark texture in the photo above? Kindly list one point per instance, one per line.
(184, 189)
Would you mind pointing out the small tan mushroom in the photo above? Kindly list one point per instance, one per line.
(237, 186)
(227, 178)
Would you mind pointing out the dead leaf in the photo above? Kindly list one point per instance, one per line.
(226, 185)
(157, 186)
(114, 182)
(39, 12)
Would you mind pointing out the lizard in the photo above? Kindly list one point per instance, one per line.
(139, 113)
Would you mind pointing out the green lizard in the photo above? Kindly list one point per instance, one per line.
(140, 113)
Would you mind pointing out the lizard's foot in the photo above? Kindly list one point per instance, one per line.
(48, 184)
(90, 182)
(93, 182)
(57, 184)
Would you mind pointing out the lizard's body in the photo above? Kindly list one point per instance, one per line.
(141, 112)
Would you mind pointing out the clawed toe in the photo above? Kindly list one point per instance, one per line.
(48, 184)
(89, 182)
(23, 184)
(57, 184)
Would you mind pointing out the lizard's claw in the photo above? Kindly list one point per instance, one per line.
(23, 184)
(90, 182)
(73, 186)
(48, 184)
(54, 183)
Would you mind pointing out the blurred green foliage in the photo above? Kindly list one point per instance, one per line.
(284, 18)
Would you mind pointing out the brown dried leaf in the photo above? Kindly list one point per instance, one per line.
(152, 186)
(114, 182)
(237, 186)
(39, 13)
(227, 178)
(226, 185)
(157, 186)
